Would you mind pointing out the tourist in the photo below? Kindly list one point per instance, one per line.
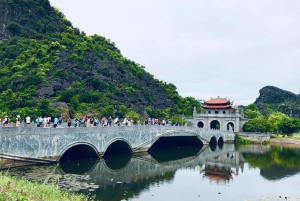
(109, 121)
(69, 122)
(96, 122)
(116, 121)
(129, 122)
(48, 122)
(45, 121)
(38, 122)
(60, 121)
(55, 122)
(5, 121)
(76, 122)
(81, 120)
(85, 121)
(163, 122)
(28, 121)
(91, 122)
(18, 120)
(176, 124)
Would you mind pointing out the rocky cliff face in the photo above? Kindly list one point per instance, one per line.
(26, 17)
(275, 99)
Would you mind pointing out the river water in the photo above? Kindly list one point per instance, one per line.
(181, 173)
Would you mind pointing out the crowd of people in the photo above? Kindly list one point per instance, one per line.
(87, 121)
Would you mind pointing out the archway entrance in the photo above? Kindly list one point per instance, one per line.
(215, 125)
(230, 124)
(200, 124)
(118, 147)
(80, 151)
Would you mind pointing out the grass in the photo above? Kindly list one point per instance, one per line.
(12, 189)
(295, 136)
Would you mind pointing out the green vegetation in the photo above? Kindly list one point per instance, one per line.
(238, 140)
(295, 136)
(13, 189)
(42, 56)
(285, 156)
(275, 122)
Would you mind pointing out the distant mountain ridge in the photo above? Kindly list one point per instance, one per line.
(275, 99)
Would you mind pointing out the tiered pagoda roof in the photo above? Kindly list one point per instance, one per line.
(218, 103)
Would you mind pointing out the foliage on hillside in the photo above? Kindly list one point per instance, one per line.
(43, 57)
(276, 122)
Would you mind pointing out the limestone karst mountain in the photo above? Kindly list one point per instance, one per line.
(44, 59)
(274, 99)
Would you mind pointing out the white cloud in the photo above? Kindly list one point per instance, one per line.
(206, 48)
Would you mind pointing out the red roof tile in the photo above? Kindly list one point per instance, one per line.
(216, 106)
(217, 101)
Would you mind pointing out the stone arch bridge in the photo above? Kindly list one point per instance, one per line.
(49, 144)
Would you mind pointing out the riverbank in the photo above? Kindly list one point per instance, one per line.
(12, 188)
(293, 140)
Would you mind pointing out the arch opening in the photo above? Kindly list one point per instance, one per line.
(81, 166)
(175, 148)
(117, 162)
(118, 147)
(213, 147)
(80, 151)
(220, 143)
(200, 124)
(230, 125)
(215, 124)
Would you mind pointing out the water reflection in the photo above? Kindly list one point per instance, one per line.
(277, 163)
(127, 176)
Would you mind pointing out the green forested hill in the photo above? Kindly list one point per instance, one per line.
(45, 61)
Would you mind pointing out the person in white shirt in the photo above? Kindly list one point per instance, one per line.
(45, 120)
(48, 121)
(28, 121)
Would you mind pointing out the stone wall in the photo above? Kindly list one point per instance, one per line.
(256, 138)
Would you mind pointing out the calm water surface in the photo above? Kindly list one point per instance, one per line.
(182, 173)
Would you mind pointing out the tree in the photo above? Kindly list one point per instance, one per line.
(251, 111)
(44, 109)
(251, 114)
(274, 119)
(133, 115)
(259, 124)
(109, 111)
(288, 126)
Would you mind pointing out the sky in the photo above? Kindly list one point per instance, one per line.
(206, 48)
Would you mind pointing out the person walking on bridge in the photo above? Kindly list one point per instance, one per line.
(28, 121)
(69, 122)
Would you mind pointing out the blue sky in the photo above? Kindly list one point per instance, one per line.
(206, 48)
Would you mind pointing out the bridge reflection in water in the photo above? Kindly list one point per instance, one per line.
(132, 168)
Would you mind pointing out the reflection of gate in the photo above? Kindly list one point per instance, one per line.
(215, 124)
(200, 124)
(230, 124)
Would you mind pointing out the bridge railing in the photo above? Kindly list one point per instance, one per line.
(64, 130)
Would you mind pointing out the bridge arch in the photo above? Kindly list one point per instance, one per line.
(215, 124)
(90, 147)
(120, 143)
(230, 124)
(117, 164)
(200, 124)
(213, 140)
